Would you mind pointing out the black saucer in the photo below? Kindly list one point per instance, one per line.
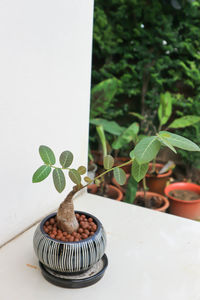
(89, 277)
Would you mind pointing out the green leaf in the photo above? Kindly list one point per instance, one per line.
(139, 171)
(75, 176)
(109, 126)
(47, 155)
(108, 162)
(147, 149)
(120, 175)
(41, 173)
(102, 138)
(131, 190)
(139, 116)
(87, 179)
(165, 108)
(166, 143)
(59, 180)
(82, 170)
(184, 122)
(102, 95)
(179, 141)
(66, 159)
(127, 136)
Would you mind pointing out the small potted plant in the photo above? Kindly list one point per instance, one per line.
(71, 242)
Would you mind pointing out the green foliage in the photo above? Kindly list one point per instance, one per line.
(41, 173)
(47, 155)
(59, 180)
(131, 190)
(81, 170)
(66, 159)
(147, 149)
(102, 138)
(120, 175)
(108, 126)
(129, 135)
(108, 162)
(165, 108)
(184, 122)
(138, 171)
(152, 45)
(75, 176)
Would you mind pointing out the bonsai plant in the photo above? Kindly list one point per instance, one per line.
(71, 241)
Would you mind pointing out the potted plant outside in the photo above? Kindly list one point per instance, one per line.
(156, 182)
(184, 199)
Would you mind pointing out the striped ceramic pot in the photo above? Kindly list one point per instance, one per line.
(69, 257)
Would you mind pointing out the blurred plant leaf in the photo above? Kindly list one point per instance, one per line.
(147, 149)
(75, 176)
(138, 171)
(179, 141)
(81, 170)
(109, 126)
(108, 162)
(129, 135)
(165, 108)
(120, 175)
(137, 115)
(166, 143)
(184, 122)
(131, 190)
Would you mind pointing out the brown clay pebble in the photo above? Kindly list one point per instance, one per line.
(76, 240)
(90, 220)
(68, 236)
(84, 236)
(54, 232)
(52, 236)
(59, 231)
(46, 230)
(74, 234)
(50, 227)
(91, 233)
(52, 221)
(47, 223)
(77, 215)
(80, 230)
(94, 227)
(71, 239)
(65, 233)
(86, 231)
(59, 236)
(63, 239)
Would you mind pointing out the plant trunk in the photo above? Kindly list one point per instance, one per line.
(66, 218)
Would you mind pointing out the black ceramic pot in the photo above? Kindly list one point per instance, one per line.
(69, 257)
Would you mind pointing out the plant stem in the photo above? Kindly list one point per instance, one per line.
(153, 166)
(145, 188)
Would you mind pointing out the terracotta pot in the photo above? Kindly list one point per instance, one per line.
(182, 208)
(113, 192)
(150, 194)
(157, 183)
(121, 187)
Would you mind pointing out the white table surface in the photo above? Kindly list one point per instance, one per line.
(151, 255)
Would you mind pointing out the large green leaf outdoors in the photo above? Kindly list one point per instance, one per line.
(109, 126)
(120, 175)
(108, 162)
(179, 141)
(102, 95)
(59, 180)
(129, 134)
(41, 173)
(166, 143)
(165, 108)
(66, 159)
(75, 176)
(146, 149)
(139, 171)
(47, 155)
(184, 122)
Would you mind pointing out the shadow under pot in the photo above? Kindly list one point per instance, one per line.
(71, 264)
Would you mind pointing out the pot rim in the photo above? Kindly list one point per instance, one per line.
(167, 174)
(98, 223)
(120, 194)
(182, 186)
(166, 201)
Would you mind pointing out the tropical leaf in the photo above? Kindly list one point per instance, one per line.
(165, 108)
(139, 116)
(147, 149)
(47, 155)
(75, 176)
(108, 162)
(184, 122)
(41, 173)
(66, 159)
(166, 143)
(131, 190)
(179, 141)
(109, 126)
(127, 136)
(139, 171)
(82, 170)
(120, 175)
(59, 180)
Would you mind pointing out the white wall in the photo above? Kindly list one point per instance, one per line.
(45, 66)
